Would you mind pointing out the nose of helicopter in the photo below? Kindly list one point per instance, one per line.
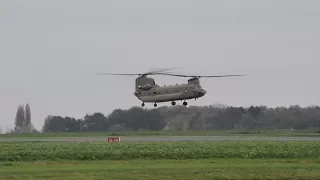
(201, 92)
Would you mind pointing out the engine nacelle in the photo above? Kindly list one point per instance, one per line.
(195, 81)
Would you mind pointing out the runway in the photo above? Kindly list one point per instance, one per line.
(158, 139)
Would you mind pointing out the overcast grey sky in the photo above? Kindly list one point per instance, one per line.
(50, 50)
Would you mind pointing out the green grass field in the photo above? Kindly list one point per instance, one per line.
(289, 169)
(161, 160)
(31, 151)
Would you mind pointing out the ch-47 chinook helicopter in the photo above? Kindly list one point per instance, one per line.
(147, 91)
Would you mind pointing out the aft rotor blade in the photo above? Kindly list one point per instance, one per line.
(228, 75)
(199, 76)
(169, 74)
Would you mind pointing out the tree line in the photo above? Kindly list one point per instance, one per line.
(216, 117)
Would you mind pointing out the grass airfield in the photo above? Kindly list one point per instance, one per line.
(241, 155)
(239, 169)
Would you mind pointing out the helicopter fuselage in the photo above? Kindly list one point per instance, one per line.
(152, 93)
(170, 93)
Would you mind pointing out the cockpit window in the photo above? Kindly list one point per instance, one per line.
(154, 83)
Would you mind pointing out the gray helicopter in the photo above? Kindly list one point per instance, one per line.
(147, 91)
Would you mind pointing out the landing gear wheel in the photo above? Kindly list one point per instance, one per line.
(185, 103)
(142, 104)
(155, 105)
(173, 103)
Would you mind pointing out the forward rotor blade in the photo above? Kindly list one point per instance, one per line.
(161, 70)
(154, 71)
(118, 74)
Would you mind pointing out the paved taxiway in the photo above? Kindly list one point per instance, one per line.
(161, 138)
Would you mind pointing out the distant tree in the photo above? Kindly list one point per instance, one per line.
(96, 122)
(73, 125)
(55, 124)
(46, 125)
(117, 117)
(148, 120)
(27, 122)
(20, 119)
(247, 121)
(254, 111)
